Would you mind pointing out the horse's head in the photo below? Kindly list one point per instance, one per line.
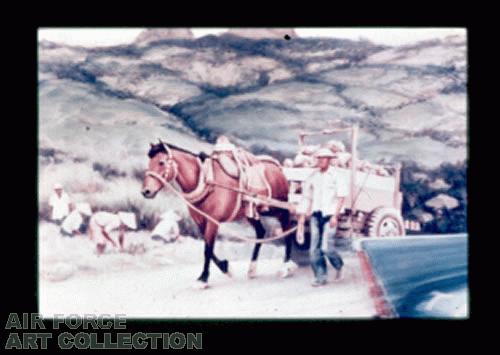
(162, 169)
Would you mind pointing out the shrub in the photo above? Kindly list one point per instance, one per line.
(417, 191)
(107, 190)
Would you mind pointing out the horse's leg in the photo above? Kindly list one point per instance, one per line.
(209, 233)
(223, 265)
(285, 225)
(288, 265)
(260, 232)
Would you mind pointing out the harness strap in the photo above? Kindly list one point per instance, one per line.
(202, 189)
(237, 207)
(212, 219)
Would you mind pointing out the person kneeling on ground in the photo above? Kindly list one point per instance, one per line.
(167, 230)
(103, 223)
(73, 223)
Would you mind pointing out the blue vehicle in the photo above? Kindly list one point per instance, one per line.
(417, 277)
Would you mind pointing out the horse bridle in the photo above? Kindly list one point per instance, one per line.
(170, 164)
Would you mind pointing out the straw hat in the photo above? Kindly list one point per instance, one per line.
(324, 153)
(128, 218)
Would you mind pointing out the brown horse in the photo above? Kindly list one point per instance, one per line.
(176, 164)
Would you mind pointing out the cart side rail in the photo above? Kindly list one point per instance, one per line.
(371, 191)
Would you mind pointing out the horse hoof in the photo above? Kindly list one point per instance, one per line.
(200, 285)
(229, 272)
(252, 270)
(284, 274)
(288, 269)
(225, 268)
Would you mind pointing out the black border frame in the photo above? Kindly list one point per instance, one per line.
(236, 334)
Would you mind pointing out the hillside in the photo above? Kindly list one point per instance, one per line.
(105, 105)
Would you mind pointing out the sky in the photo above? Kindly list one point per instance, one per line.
(95, 37)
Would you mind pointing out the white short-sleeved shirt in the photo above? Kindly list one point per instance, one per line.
(109, 221)
(72, 222)
(324, 190)
(167, 228)
(60, 205)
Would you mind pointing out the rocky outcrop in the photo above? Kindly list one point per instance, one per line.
(439, 184)
(261, 33)
(158, 34)
(426, 218)
(217, 84)
(442, 201)
(420, 176)
(422, 216)
(410, 103)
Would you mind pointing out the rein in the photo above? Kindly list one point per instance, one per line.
(164, 183)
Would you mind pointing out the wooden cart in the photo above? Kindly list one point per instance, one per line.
(373, 207)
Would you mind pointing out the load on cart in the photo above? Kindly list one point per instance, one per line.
(373, 205)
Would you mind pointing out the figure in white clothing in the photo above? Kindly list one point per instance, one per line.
(167, 230)
(324, 194)
(73, 223)
(103, 223)
(60, 204)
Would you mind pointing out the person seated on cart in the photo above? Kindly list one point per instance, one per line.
(324, 193)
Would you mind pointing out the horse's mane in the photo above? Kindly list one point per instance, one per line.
(155, 149)
(160, 147)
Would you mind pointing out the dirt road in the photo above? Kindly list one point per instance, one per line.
(158, 283)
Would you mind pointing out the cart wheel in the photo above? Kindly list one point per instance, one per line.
(344, 227)
(385, 222)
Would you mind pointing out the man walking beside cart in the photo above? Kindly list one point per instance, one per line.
(324, 194)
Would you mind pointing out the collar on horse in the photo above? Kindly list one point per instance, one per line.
(216, 222)
(205, 184)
